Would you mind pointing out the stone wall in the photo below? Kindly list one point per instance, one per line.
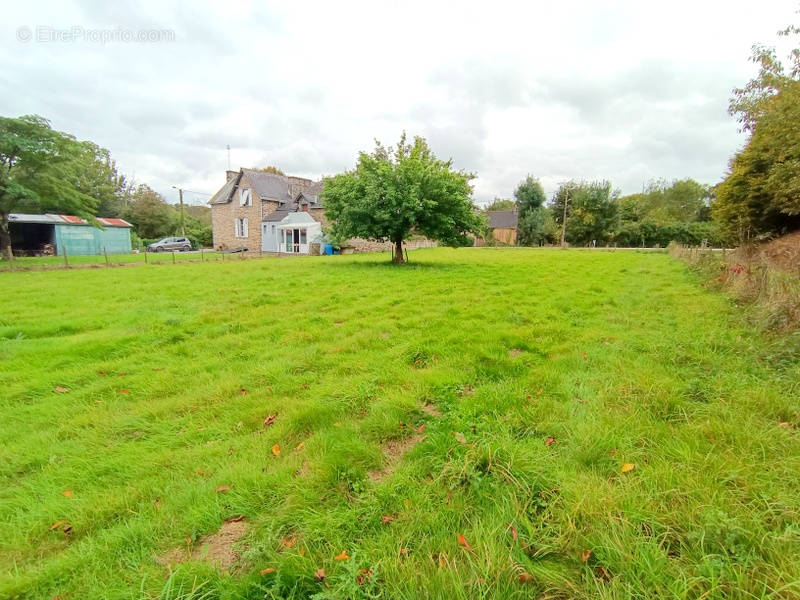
(223, 219)
(357, 245)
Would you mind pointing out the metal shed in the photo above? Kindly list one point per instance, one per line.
(53, 234)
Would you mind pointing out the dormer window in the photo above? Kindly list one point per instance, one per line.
(245, 197)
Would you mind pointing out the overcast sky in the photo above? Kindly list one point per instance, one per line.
(626, 91)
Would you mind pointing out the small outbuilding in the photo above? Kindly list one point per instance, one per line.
(49, 234)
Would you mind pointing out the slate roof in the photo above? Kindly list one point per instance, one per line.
(270, 186)
(502, 219)
(276, 215)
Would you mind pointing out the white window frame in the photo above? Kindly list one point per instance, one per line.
(240, 227)
(245, 197)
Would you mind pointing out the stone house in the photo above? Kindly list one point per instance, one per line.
(503, 225)
(267, 212)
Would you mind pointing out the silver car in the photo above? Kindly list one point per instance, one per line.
(181, 244)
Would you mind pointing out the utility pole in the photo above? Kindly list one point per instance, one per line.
(180, 196)
(564, 220)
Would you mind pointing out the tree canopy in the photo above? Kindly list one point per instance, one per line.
(395, 192)
(591, 211)
(760, 196)
(532, 224)
(501, 204)
(41, 169)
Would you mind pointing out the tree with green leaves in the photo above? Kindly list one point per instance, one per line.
(665, 203)
(270, 169)
(40, 169)
(501, 204)
(150, 214)
(760, 196)
(591, 211)
(532, 224)
(393, 193)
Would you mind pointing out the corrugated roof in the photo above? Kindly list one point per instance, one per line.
(51, 219)
(502, 219)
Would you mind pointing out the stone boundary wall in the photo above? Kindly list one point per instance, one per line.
(357, 245)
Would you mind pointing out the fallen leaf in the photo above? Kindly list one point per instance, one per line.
(363, 575)
(122, 375)
(101, 373)
(460, 438)
(126, 392)
(602, 573)
(783, 424)
(385, 519)
(61, 389)
(67, 493)
(188, 540)
(243, 392)
(627, 467)
(525, 577)
(337, 424)
(57, 525)
(549, 441)
(421, 428)
(302, 551)
(585, 555)
(612, 452)
(235, 519)
(158, 368)
(442, 558)
(223, 488)
(276, 450)
(319, 574)
(266, 571)
(230, 451)
(403, 551)
(289, 542)
(342, 556)
(584, 355)
(200, 472)
(300, 446)
(270, 420)
(463, 541)
(539, 392)
(513, 531)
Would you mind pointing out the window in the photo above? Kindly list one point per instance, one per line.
(240, 227)
(245, 197)
(302, 236)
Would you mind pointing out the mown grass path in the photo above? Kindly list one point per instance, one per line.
(489, 394)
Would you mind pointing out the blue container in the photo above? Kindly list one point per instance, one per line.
(328, 249)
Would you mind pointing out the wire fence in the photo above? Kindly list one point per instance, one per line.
(106, 260)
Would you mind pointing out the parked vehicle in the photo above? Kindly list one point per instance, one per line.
(181, 244)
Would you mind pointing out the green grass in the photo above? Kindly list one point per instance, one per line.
(622, 357)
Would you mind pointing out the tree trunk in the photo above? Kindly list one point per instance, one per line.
(5, 237)
(398, 258)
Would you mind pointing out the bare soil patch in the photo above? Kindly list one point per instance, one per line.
(431, 410)
(393, 451)
(216, 549)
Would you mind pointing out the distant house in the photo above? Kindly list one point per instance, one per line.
(503, 225)
(49, 234)
(267, 212)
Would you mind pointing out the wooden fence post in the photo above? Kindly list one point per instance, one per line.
(202, 257)
(173, 257)
(145, 257)
(105, 251)
(66, 258)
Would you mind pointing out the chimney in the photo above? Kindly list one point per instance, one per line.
(230, 175)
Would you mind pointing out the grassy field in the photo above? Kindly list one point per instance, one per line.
(478, 424)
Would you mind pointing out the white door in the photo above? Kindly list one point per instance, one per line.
(269, 237)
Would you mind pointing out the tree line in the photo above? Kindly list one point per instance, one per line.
(597, 214)
(45, 170)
